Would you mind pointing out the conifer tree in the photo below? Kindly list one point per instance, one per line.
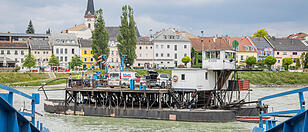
(30, 29)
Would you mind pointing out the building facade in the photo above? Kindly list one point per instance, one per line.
(245, 49)
(264, 47)
(170, 47)
(42, 51)
(13, 54)
(85, 53)
(287, 48)
(65, 47)
(145, 53)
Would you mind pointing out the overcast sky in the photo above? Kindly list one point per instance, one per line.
(222, 17)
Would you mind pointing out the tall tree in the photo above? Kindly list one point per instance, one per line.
(260, 33)
(193, 56)
(286, 62)
(302, 59)
(298, 63)
(53, 61)
(29, 61)
(100, 36)
(128, 37)
(76, 61)
(269, 61)
(48, 31)
(30, 29)
(306, 61)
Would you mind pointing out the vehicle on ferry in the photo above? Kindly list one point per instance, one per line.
(121, 79)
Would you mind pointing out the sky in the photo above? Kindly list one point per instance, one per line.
(214, 17)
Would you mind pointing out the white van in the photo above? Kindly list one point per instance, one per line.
(117, 79)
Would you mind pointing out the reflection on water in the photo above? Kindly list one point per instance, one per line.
(68, 123)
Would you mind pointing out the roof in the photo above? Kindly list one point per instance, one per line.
(297, 36)
(261, 43)
(66, 39)
(39, 44)
(144, 40)
(288, 44)
(13, 46)
(209, 43)
(85, 43)
(25, 35)
(90, 8)
(245, 44)
(170, 35)
(80, 27)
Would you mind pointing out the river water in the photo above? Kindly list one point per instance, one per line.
(69, 123)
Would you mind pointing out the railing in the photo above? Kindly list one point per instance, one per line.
(272, 123)
(35, 99)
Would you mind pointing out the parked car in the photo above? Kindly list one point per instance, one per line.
(163, 80)
(34, 69)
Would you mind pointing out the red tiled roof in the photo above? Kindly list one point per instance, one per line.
(297, 36)
(242, 43)
(208, 43)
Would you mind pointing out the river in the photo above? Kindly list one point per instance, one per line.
(69, 123)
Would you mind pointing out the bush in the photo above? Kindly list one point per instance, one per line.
(197, 66)
(181, 66)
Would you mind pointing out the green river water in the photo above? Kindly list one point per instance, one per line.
(69, 123)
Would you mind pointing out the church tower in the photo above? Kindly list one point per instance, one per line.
(89, 17)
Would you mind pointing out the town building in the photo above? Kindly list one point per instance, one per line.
(13, 54)
(85, 53)
(170, 47)
(264, 47)
(244, 50)
(21, 37)
(287, 48)
(65, 47)
(42, 51)
(145, 53)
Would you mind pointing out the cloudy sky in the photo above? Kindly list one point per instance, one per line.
(222, 17)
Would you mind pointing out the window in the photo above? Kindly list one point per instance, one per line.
(16, 59)
(112, 52)
(57, 51)
(182, 76)
(277, 53)
(89, 25)
(185, 46)
(146, 47)
(294, 53)
(65, 59)
(65, 51)
(151, 47)
(73, 51)
(111, 59)
(156, 54)
(278, 61)
(285, 53)
(161, 46)
(85, 52)
(165, 36)
(175, 56)
(140, 55)
(162, 55)
(146, 55)
(242, 57)
(140, 47)
(85, 59)
(117, 60)
(206, 75)
(91, 52)
(168, 46)
(178, 36)
(22, 59)
(34, 52)
(61, 58)
(38, 52)
(156, 46)
(175, 47)
(168, 55)
(91, 59)
(185, 54)
(2, 52)
(8, 52)
(16, 52)
(61, 51)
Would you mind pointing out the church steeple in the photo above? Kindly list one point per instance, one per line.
(90, 9)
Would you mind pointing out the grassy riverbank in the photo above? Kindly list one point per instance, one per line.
(276, 78)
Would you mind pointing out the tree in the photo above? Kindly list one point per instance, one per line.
(185, 60)
(48, 31)
(250, 61)
(53, 61)
(30, 29)
(306, 61)
(286, 62)
(298, 63)
(128, 37)
(260, 33)
(76, 61)
(269, 61)
(100, 37)
(193, 55)
(235, 44)
(260, 63)
(29, 61)
(302, 59)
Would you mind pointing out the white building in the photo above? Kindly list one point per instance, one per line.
(42, 51)
(145, 53)
(13, 54)
(170, 47)
(65, 47)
